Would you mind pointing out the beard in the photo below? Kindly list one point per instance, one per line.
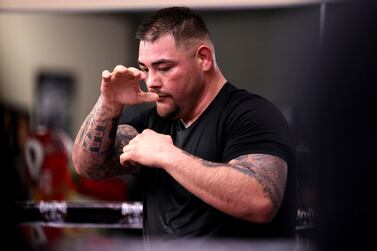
(168, 111)
(167, 107)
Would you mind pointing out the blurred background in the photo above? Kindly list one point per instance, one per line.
(52, 54)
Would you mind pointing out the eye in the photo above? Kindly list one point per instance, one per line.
(143, 69)
(164, 69)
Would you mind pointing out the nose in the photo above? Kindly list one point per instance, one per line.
(153, 80)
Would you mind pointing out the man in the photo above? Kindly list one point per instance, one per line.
(215, 160)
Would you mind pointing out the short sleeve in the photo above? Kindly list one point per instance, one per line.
(257, 126)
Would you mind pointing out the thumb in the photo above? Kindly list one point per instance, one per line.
(148, 96)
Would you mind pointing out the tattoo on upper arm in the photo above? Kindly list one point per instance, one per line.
(211, 164)
(124, 134)
(268, 170)
(243, 169)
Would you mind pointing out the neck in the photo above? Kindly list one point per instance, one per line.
(210, 91)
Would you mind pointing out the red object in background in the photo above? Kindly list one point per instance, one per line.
(112, 189)
(48, 159)
(48, 165)
(47, 155)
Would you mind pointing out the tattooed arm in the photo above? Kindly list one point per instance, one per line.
(249, 187)
(123, 136)
(94, 153)
(96, 148)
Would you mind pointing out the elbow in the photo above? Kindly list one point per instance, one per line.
(78, 167)
(266, 212)
(82, 165)
(261, 212)
(77, 164)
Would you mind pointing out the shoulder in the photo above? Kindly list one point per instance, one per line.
(255, 125)
(241, 98)
(245, 106)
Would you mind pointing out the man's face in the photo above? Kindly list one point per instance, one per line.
(172, 73)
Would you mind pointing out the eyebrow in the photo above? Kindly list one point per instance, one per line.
(158, 62)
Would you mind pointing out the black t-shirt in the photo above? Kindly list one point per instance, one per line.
(234, 124)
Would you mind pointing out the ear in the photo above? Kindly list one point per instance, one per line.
(204, 57)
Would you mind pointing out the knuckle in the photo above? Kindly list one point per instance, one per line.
(133, 69)
(119, 68)
(134, 139)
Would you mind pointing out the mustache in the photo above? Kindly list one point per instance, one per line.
(159, 93)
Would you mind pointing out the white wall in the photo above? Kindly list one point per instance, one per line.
(264, 51)
(82, 45)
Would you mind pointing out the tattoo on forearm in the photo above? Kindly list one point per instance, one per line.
(109, 164)
(96, 138)
(95, 129)
(84, 129)
(93, 139)
(113, 130)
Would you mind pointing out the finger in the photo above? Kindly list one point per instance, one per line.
(134, 74)
(126, 148)
(143, 76)
(106, 75)
(124, 159)
(119, 70)
(148, 96)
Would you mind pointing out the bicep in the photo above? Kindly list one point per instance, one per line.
(123, 136)
(270, 171)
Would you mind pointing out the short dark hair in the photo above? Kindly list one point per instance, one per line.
(181, 22)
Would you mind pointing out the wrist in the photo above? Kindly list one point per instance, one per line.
(108, 108)
(172, 157)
